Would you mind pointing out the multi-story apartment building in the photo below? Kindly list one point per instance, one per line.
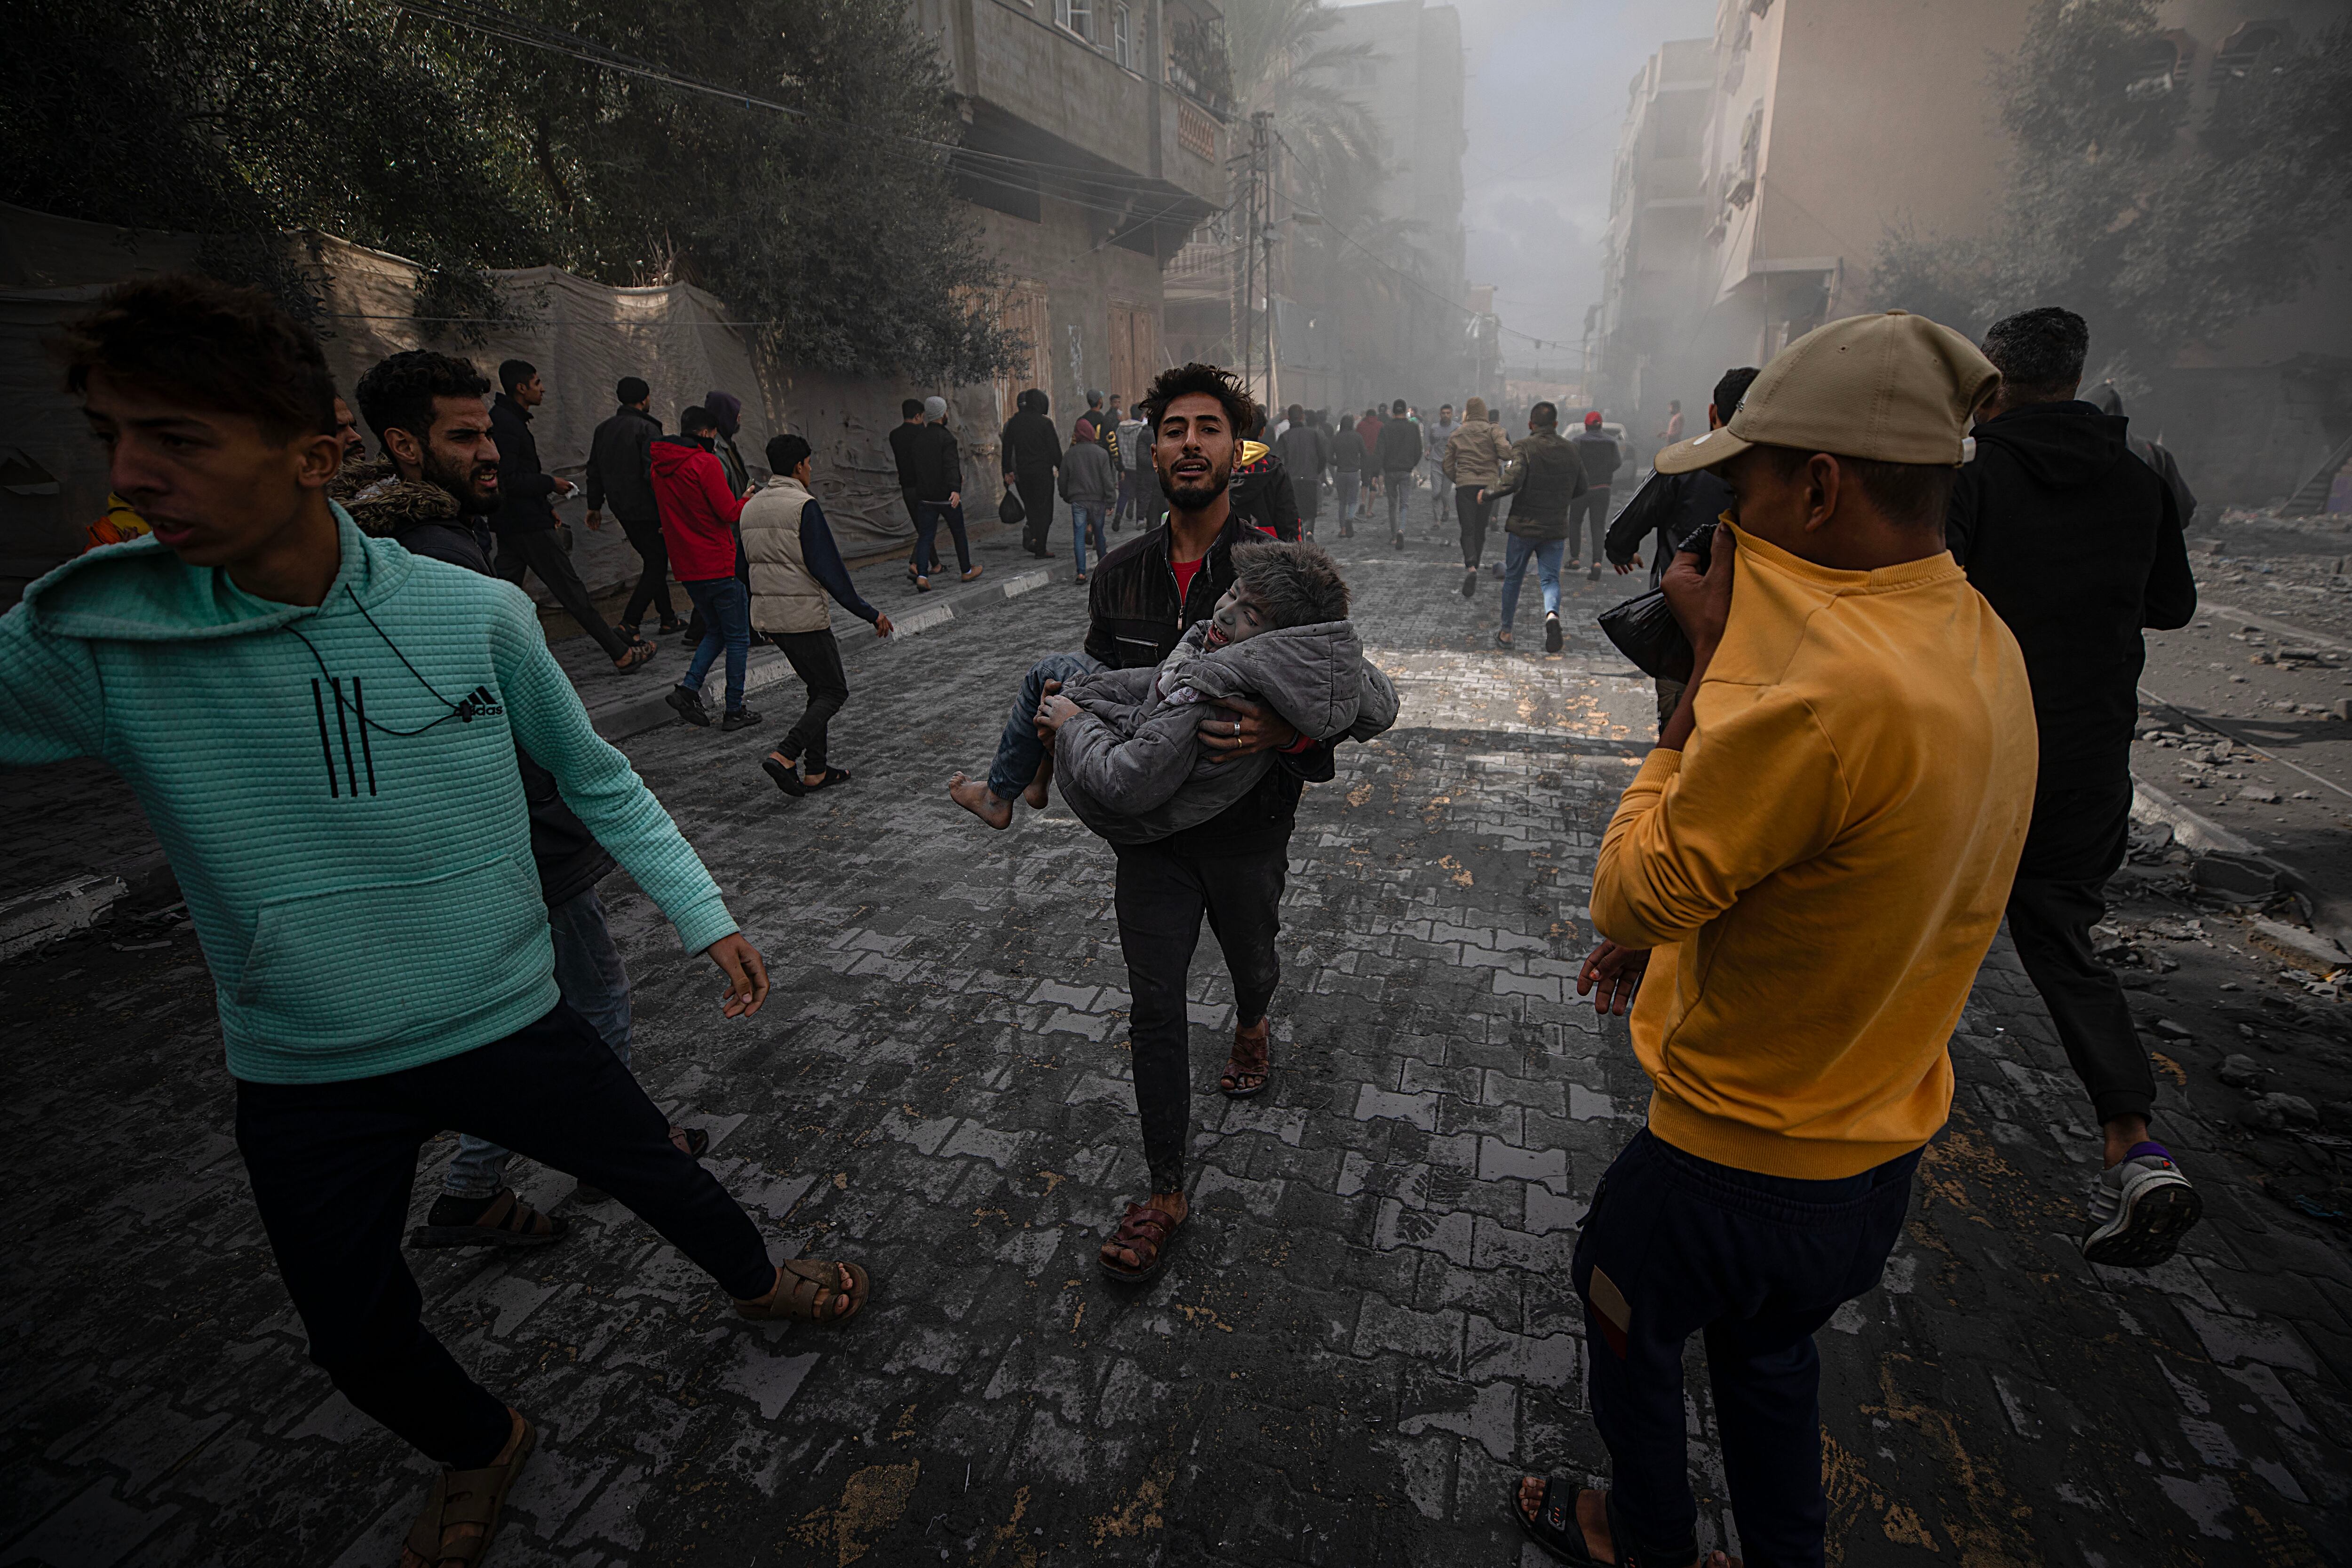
(1094, 143)
(1759, 169)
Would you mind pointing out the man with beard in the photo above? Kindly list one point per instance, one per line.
(440, 479)
(347, 429)
(1141, 602)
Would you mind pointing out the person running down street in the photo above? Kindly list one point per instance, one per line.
(1545, 479)
(358, 865)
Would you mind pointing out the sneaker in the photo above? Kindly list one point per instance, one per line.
(1470, 583)
(2140, 1208)
(688, 706)
(1551, 634)
(739, 718)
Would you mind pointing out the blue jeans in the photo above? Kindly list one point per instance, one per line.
(1085, 522)
(1018, 751)
(726, 607)
(1674, 1246)
(1516, 551)
(595, 985)
(928, 516)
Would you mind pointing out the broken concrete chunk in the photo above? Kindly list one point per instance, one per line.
(2238, 1071)
(2278, 1112)
(2307, 947)
(2172, 1030)
(2261, 792)
(2244, 875)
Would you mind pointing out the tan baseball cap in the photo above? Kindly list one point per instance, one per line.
(1894, 388)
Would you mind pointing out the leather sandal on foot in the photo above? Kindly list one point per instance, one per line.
(692, 1141)
(505, 1220)
(832, 776)
(806, 1290)
(1555, 1528)
(1146, 1232)
(1245, 1073)
(461, 1498)
(635, 658)
(787, 775)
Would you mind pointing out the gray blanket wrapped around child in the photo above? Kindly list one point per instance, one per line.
(1131, 765)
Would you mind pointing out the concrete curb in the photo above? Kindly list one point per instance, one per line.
(642, 709)
(2190, 827)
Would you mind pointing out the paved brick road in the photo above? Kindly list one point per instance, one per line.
(1365, 1332)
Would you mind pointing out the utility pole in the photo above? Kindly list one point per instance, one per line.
(1257, 244)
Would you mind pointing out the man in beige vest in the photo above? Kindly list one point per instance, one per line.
(795, 565)
(1472, 461)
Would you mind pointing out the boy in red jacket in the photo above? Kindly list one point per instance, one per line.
(698, 513)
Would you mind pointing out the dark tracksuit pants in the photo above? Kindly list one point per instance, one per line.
(1471, 513)
(1036, 488)
(2078, 837)
(542, 551)
(1675, 1245)
(331, 1166)
(1593, 504)
(1160, 894)
(815, 658)
(652, 590)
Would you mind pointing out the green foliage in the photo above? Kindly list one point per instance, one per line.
(2161, 224)
(240, 119)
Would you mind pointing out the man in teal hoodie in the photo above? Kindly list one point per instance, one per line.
(321, 727)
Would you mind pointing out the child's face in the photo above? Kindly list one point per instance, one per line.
(1240, 615)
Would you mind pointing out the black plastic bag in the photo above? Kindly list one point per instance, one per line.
(1645, 631)
(1009, 511)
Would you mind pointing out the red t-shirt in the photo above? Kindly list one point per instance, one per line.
(1186, 571)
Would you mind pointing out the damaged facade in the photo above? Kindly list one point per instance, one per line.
(1758, 168)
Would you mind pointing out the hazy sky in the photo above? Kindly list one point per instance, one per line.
(1545, 100)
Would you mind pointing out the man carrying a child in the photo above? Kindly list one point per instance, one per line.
(1143, 600)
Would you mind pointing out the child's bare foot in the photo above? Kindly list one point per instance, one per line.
(1035, 794)
(973, 795)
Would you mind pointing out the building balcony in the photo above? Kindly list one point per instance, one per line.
(1050, 111)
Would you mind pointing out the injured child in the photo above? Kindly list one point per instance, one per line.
(1125, 743)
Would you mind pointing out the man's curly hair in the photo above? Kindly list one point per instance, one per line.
(1299, 584)
(231, 350)
(1182, 380)
(397, 393)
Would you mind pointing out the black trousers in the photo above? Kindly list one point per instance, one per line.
(331, 1166)
(1309, 494)
(2076, 841)
(653, 584)
(1161, 896)
(1592, 506)
(1037, 502)
(1471, 513)
(542, 551)
(1676, 1246)
(815, 658)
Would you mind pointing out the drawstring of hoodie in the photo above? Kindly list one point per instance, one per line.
(351, 711)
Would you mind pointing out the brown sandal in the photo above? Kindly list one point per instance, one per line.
(1146, 1232)
(1245, 1073)
(508, 1221)
(635, 658)
(467, 1497)
(806, 1288)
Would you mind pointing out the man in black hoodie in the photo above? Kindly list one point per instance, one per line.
(438, 480)
(1031, 453)
(2077, 544)
(621, 471)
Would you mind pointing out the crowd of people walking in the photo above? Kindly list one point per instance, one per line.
(1908, 715)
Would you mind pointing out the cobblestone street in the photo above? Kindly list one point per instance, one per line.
(1365, 1332)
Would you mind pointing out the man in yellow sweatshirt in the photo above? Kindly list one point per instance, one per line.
(1796, 891)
